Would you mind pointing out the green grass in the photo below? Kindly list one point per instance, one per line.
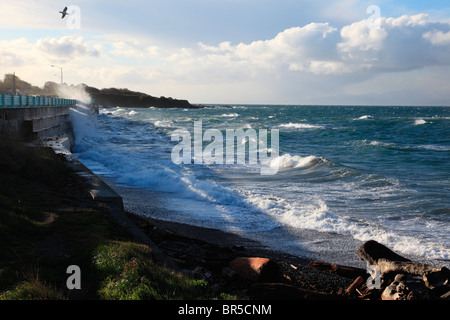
(130, 274)
(48, 222)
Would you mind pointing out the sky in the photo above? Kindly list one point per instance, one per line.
(382, 52)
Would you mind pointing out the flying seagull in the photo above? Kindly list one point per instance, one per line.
(64, 13)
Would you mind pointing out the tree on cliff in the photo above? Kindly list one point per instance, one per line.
(106, 97)
(22, 86)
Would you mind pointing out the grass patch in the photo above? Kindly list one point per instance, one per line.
(129, 273)
(33, 290)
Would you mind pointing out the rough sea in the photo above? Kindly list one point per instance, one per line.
(345, 175)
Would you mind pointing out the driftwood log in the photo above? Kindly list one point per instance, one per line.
(359, 281)
(344, 271)
(372, 251)
(433, 276)
(391, 264)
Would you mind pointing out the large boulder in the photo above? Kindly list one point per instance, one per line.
(256, 269)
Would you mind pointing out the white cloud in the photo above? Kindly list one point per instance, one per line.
(32, 60)
(408, 21)
(125, 49)
(317, 60)
(10, 52)
(45, 51)
(437, 37)
(359, 37)
(318, 48)
(65, 48)
(354, 54)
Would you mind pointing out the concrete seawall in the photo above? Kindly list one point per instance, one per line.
(36, 123)
(32, 118)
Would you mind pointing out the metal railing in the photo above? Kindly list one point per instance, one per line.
(12, 101)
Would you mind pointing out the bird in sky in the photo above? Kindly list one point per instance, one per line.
(64, 13)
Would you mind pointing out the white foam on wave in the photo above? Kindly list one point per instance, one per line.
(434, 147)
(288, 161)
(365, 117)
(419, 122)
(118, 111)
(300, 126)
(312, 213)
(375, 143)
(197, 201)
(84, 124)
(162, 123)
(230, 115)
(151, 171)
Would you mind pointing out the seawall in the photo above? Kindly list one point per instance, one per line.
(33, 118)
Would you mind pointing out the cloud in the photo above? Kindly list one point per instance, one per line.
(66, 48)
(404, 43)
(293, 45)
(314, 61)
(323, 62)
(294, 49)
(397, 46)
(31, 60)
(10, 52)
(134, 49)
(438, 38)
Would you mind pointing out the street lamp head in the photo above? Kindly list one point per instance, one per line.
(61, 72)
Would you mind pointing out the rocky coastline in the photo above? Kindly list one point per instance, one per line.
(250, 271)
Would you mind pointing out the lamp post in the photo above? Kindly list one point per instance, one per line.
(14, 84)
(61, 72)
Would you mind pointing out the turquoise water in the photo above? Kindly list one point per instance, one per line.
(346, 174)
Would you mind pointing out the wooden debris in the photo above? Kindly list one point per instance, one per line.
(413, 280)
(356, 284)
(372, 251)
(433, 276)
(344, 271)
(446, 296)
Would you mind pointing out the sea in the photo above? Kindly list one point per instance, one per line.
(344, 174)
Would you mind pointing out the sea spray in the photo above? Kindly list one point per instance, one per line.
(74, 92)
(84, 121)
